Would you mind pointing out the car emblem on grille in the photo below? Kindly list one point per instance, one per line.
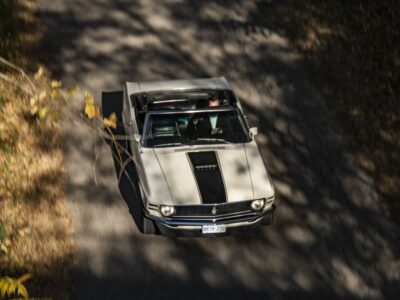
(214, 210)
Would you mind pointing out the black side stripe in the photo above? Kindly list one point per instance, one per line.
(208, 176)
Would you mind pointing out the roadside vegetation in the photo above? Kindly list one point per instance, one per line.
(352, 52)
(35, 232)
(36, 244)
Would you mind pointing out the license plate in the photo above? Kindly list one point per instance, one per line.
(214, 229)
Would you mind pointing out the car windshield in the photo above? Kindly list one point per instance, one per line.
(195, 128)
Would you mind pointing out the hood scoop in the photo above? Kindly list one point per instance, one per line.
(208, 176)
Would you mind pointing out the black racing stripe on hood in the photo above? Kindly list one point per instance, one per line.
(208, 176)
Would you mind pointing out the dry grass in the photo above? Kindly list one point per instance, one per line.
(35, 230)
(31, 199)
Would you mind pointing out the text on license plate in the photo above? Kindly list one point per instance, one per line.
(214, 229)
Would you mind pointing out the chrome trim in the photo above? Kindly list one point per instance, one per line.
(191, 111)
(167, 112)
(213, 204)
(197, 224)
(221, 216)
(168, 101)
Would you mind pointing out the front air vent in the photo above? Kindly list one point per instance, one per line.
(153, 206)
(205, 168)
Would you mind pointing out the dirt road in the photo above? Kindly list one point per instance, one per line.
(329, 238)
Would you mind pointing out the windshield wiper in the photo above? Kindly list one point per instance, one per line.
(213, 140)
(168, 144)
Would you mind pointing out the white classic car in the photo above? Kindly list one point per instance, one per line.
(198, 166)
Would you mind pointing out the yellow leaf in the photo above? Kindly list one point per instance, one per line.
(55, 84)
(34, 110)
(42, 112)
(92, 111)
(88, 98)
(11, 288)
(3, 249)
(53, 93)
(38, 73)
(111, 121)
(2, 281)
(42, 96)
(33, 100)
(22, 291)
(3, 287)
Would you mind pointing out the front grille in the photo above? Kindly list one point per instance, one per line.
(212, 210)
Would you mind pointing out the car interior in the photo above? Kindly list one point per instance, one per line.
(185, 100)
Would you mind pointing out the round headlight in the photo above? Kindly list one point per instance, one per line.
(167, 210)
(257, 204)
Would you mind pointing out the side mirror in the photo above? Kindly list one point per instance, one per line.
(137, 137)
(253, 131)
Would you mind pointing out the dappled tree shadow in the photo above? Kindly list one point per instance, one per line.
(352, 50)
(329, 239)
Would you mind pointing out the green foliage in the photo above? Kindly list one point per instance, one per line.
(11, 286)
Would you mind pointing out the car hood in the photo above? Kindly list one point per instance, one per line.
(238, 174)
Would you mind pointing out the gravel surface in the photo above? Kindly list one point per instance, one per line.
(329, 238)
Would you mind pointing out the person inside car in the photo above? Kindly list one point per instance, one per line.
(209, 124)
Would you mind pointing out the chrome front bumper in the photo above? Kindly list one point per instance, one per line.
(193, 226)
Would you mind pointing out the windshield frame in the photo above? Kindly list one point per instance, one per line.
(242, 120)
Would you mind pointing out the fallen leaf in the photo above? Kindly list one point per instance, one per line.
(55, 84)
(34, 110)
(3, 249)
(42, 96)
(53, 93)
(42, 112)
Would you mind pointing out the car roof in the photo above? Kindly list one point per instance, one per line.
(180, 84)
